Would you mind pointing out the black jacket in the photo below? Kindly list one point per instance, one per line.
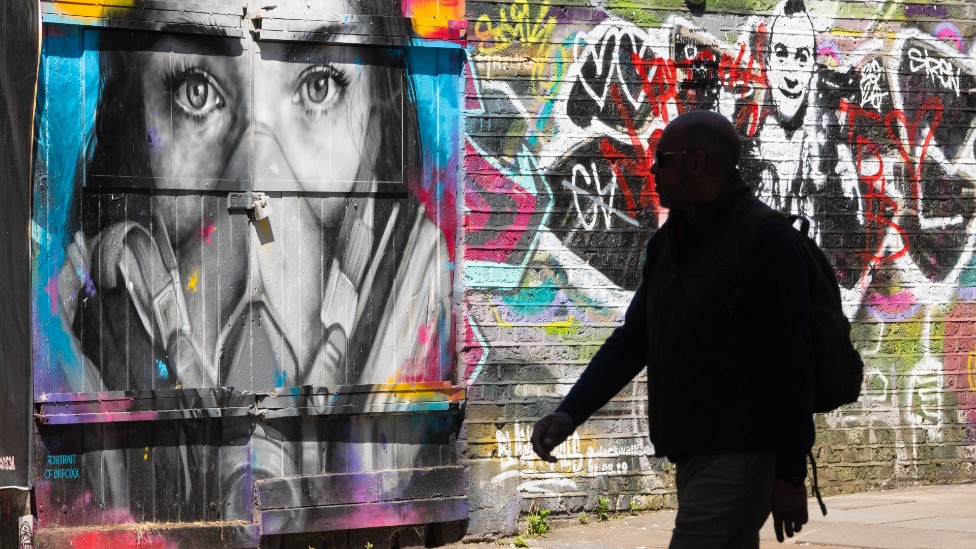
(725, 373)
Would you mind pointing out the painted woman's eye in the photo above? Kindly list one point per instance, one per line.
(198, 94)
(318, 88)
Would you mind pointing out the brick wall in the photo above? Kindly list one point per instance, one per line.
(858, 115)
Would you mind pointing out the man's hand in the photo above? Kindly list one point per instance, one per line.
(550, 432)
(789, 504)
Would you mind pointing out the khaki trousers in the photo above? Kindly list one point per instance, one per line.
(723, 500)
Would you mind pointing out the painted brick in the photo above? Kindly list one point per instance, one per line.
(907, 272)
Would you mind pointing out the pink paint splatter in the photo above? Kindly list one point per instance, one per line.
(829, 50)
(491, 191)
(51, 289)
(121, 540)
(206, 233)
(901, 304)
(948, 31)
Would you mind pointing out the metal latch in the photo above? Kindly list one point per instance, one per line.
(256, 203)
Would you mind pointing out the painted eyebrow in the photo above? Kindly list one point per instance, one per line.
(327, 34)
(202, 33)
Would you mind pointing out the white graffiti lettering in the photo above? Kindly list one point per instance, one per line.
(871, 78)
(515, 450)
(939, 70)
(601, 199)
(603, 50)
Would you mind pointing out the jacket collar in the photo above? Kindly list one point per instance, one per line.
(706, 212)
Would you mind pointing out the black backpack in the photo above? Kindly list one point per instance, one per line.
(838, 370)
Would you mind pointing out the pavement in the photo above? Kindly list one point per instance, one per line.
(941, 516)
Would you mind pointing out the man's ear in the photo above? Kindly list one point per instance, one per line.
(697, 162)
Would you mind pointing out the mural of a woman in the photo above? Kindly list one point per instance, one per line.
(334, 287)
(170, 282)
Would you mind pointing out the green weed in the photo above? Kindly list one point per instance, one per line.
(539, 523)
(602, 509)
(636, 507)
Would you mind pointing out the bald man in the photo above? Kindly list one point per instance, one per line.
(729, 374)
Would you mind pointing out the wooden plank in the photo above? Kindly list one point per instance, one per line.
(112, 353)
(86, 496)
(194, 470)
(339, 451)
(360, 488)
(311, 266)
(170, 371)
(445, 387)
(88, 323)
(115, 417)
(120, 405)
(140, 456)
(331, 28)
(369, 515)
(360, 410)
(233, 468)
(293, 305)
(421, 441)
(228, 394)
(309, 447)
(149, 15)
(57, 447)
(287, 437)
(138, 344)
(361, 444)
(167, 472)
(229, 535)
(214, 217)
(382, 439)
(235, 290)
(116, 488)
(68, 408)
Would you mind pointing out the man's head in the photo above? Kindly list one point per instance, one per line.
(790, 62)
(695, 159)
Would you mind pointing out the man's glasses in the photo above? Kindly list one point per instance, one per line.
(659, 155)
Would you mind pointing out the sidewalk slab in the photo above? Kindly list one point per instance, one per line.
(936, 517)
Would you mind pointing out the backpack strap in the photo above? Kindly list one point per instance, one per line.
(743, 247)
(816, 485)
(743, 267)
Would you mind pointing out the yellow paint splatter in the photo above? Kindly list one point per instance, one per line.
(191, 282)
(90, 8)
(498, 318)
(971, 370)
(560, 328)
(855, 33)
(431, 18)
